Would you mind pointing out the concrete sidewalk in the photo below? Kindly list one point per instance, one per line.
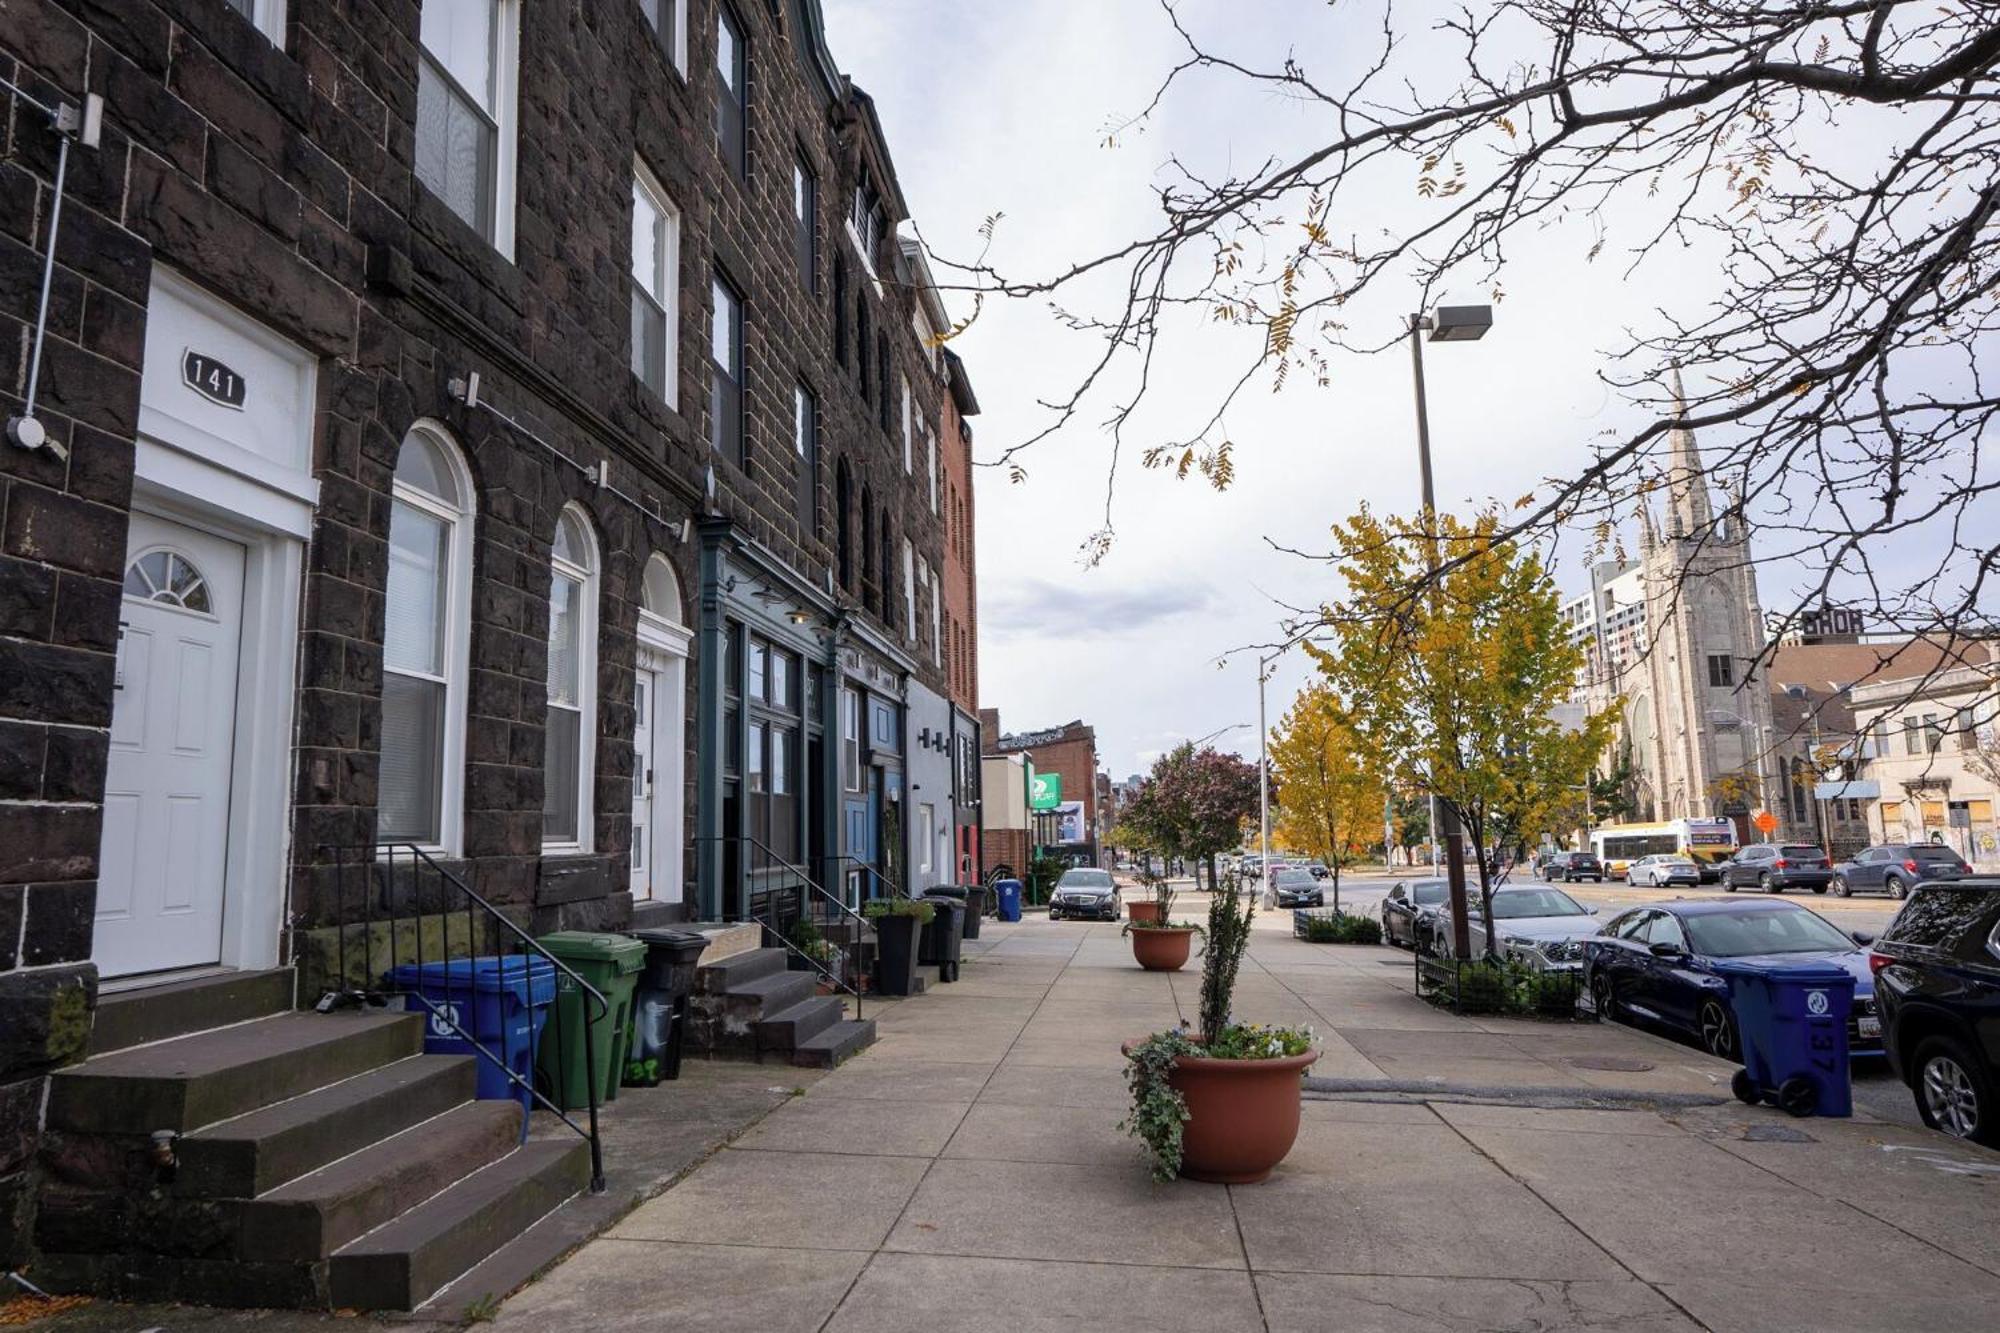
(966, 1173)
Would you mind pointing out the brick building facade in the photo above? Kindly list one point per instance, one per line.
(1074, 830)
(496, 428)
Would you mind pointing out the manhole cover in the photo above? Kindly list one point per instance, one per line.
(1612, 1064)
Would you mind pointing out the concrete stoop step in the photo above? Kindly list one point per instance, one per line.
(318, 1160)
(751, 1004)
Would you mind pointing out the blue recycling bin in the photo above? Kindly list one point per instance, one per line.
(504, 1004)
(1792, 1023)
(1007, 892)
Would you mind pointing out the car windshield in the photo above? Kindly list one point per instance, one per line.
(1535, 902)
(1084, 879)
(1747, 931)
(1290, 878)
(1429, 891)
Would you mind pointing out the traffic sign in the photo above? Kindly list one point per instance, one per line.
(1765, 822)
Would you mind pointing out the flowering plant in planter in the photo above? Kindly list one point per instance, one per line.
(1221, 1104)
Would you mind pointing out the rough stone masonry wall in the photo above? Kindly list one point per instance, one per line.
(280, 178)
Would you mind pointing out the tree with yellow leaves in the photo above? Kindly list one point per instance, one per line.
(1329, 788)
(1453, 681)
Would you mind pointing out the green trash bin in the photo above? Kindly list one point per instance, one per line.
(611, 963)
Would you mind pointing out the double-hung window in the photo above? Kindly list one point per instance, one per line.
(931, 463)
(656, 244)
(909, 591)
(1721, 669)
(424, 645)
(805, 223)
(725, 403)
(467, 72)
(909, 461)
(805, 445)
(732, 92)
(569, 742)
(267, 15)
(669, 20)
(866, 224)
(937, 619)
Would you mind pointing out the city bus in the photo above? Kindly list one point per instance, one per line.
(1706, 842)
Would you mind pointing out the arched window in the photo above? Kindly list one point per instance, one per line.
(843, 525)
(569, 747)
(868, 585)
(424, 644)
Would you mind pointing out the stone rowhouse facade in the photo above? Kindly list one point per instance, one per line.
(266, 174)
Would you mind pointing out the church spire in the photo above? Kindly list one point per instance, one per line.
(1687, 485)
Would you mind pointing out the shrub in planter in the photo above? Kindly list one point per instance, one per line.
(896, 922)
(1343, 929)
(1222, 1104)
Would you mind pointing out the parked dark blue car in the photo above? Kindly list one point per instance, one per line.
(1655, 965)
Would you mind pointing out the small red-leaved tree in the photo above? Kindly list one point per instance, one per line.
(1194, 803)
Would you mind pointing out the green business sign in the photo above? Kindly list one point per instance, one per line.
(1044, 791)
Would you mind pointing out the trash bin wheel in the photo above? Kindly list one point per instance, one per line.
(1746, 1091)
(1798, 1096)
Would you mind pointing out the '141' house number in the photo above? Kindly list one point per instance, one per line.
(211, 379)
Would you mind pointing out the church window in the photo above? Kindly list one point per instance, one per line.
(1721, 670)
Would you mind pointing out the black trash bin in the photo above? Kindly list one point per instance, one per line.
(660, 1005)
(975, 909)
(941, 941)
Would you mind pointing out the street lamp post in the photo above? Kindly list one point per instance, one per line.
(1264, 773)
(1448, 323)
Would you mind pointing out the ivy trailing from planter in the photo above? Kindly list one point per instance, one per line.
(1158, 1112)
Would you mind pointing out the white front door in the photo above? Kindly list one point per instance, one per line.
(644, 854)
(166, 800)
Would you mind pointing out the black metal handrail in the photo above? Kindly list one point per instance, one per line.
(776, 925)
(862, 863)
(377, 865)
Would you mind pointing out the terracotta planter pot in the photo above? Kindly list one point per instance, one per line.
(1243, 1115)
(1162, 948)
(1143, 911)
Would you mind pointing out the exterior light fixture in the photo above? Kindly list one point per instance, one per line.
(1460, 323)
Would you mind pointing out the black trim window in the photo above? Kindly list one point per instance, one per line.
(725, 407)
(732, 92)
(1721, 670)
(805, 223)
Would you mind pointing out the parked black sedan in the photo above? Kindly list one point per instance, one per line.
(1937, 972)
(1656, 965)
(1893, 867)
(1296, 887)
(1775, 867)
(1086, 893)
(1409, 899)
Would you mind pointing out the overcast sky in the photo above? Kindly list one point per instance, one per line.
(1003, 106)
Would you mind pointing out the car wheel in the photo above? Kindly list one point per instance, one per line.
(1819, 888)
(1767, 884)
(1728, 884)
(1841, 888)
(1718, 1030)
(1897, 888)
(1604, 996)
(1955, 1093)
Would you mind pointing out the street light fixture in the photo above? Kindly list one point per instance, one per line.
(1449, 323)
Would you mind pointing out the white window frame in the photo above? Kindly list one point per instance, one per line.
(586, 683)
(675, 42)
(268, 17)
(931, 463)
(457, 613)
(909, 457)
(669, 299)
(926, 837)
(920, 324)
(909, 591)
(506, 118)
(937, 623)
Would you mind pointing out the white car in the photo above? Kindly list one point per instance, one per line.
(1659, 871)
